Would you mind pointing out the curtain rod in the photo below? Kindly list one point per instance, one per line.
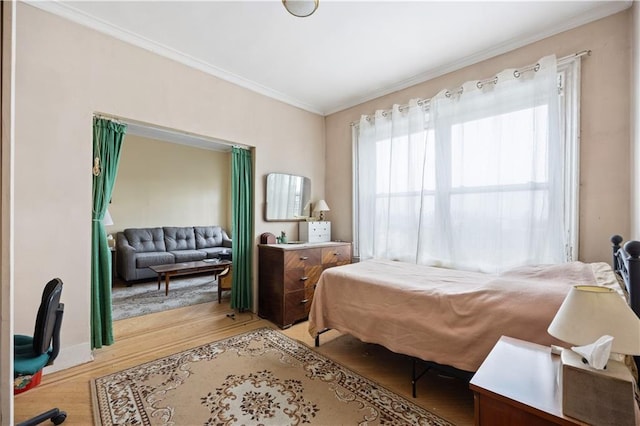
(564, 59)
(168, 132)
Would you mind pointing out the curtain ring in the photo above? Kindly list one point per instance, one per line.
(537, 67)
(516, 74)
(479, 85)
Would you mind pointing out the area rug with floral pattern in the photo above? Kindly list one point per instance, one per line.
(260, 377)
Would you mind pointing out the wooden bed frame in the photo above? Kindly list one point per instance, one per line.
(626, 263)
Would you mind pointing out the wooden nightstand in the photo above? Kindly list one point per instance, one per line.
(517, 384)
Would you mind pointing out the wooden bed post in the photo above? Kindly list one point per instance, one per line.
(626, 263)
(632, 248)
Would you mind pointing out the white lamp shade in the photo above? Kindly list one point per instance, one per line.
(589, 312)
(107, 220)
(321, 206)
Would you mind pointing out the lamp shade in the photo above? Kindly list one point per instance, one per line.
(321, 206)
(589, 312)
(107, 220)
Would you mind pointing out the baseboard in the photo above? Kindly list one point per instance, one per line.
(71, 356)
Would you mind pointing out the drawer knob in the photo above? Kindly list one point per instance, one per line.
(303, 301)
(304, 278)
(304, 257)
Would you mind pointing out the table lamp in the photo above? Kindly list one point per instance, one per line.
(321, 207)
(107, 220)
(597, 396)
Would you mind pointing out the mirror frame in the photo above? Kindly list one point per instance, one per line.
(270, 190)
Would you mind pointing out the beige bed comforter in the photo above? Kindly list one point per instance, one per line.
(447, 316)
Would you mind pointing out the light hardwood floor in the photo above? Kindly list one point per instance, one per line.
(153, 336)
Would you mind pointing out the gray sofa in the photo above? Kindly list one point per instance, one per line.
(139, 248)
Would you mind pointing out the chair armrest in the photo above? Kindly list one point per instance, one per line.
(55, 350)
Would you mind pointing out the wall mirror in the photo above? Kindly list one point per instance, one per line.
(287, 197)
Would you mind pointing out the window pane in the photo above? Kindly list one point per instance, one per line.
(505, 149)
(401, 169)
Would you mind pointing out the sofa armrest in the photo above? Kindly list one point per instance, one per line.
(226, 241)
(125, 262)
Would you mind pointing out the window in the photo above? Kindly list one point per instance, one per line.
(483, 181)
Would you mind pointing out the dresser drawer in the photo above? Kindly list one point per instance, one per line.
(297, 305)
(302, 258)
(301, 278)
(288, 276)
(338, 255)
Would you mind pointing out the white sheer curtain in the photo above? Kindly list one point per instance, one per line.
(391, 157)
(474, 182)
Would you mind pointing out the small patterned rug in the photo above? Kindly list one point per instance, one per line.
(144, 297)
(260, 377)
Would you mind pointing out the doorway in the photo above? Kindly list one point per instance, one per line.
(167, 178)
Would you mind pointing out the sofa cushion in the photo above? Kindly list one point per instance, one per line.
(146, 239)
(179, 238)
(208, 236)
(144, 260)
(188, 255)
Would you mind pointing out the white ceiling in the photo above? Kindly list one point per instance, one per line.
(344, 54)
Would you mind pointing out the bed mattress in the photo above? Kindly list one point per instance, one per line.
(446, 316)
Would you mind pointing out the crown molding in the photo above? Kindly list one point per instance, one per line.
(593, 15)
(66, 11)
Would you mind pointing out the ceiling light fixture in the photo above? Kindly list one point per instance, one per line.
(301, 8)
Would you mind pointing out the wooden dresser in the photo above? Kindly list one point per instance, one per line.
(288, 274)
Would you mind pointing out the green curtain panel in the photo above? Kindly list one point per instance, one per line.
(107, 143)
(242, 229)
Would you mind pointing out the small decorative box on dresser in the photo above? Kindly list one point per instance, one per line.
(316, 231)
(288, 274)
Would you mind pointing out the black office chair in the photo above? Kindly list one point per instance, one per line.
(32, 354)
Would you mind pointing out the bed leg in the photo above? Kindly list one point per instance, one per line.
(415, 376)
(324, 330)
(413, 379)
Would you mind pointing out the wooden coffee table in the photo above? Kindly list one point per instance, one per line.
(185, 268)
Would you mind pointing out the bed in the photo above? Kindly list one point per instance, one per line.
(454, 318)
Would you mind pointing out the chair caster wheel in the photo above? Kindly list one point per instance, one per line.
(60, 418)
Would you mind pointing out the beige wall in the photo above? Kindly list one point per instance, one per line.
(7, 20)
(635, 123)
(65, 73)
(166, 184)
(605, 124)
